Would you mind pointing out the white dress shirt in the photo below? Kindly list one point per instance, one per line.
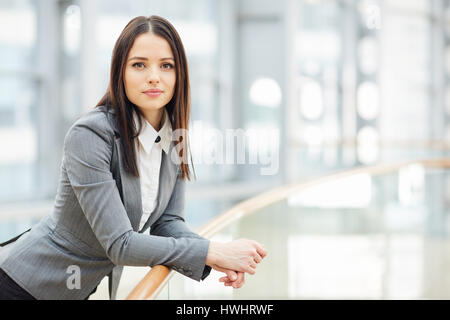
(149, 154)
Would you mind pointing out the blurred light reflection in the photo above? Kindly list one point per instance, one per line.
(311, 99)
(72, 29)
(265, 92)
(368, 100)
(350, 192)
(368, 148)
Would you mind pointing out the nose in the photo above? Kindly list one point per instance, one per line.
(153, 76)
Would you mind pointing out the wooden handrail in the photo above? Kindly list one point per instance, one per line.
(154, 281)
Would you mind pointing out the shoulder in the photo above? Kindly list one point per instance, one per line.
(93, 125)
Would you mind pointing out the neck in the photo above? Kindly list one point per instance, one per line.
(155, 118)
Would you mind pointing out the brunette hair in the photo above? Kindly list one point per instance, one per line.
(178, 107)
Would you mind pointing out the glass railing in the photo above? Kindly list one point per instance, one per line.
(369, 233)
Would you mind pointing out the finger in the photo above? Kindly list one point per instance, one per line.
(261, 250)
(257, 258)
(228, 283)
(240, 280)
(231, 275)
(237, 285)
(247, 266)
(250, 270)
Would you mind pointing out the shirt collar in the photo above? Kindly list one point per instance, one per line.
(149, 134)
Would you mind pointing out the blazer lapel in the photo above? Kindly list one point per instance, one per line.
(131, 189)
(128, 185)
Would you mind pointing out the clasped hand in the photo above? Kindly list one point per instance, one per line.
(235, 258)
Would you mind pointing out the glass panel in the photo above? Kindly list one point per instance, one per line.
(70, 63)
(360, 237)
(260, 89)
(199, 210)
(19, 102)
(405, 81)
(416, 6)
(17, 49)
(319, 52)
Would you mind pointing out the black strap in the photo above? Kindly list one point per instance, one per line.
(13, 239)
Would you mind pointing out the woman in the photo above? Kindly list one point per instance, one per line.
(122, 174)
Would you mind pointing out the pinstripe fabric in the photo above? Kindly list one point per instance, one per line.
(95, 220)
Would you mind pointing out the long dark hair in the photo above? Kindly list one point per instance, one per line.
(115, 97)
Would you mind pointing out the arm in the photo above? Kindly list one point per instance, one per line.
(171, 224)
(87, 156)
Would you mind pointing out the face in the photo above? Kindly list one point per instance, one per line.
(150, 77)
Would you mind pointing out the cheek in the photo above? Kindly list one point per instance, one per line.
(132, 75)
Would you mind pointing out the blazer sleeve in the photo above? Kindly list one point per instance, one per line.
(172, 223)
(87, 157)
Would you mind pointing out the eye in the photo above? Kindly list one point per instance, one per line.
(138, 65)
(167, 66)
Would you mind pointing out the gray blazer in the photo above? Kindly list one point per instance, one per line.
(94, 224)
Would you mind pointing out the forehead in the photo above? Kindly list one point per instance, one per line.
(150, 45)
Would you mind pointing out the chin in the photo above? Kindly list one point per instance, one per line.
(152, 106)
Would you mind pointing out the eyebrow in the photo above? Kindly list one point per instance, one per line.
(144, 58)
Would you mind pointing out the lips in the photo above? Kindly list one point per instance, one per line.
(153, 91)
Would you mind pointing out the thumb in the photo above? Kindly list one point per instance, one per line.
(231, 274)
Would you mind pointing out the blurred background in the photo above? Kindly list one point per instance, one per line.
(338, 84)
